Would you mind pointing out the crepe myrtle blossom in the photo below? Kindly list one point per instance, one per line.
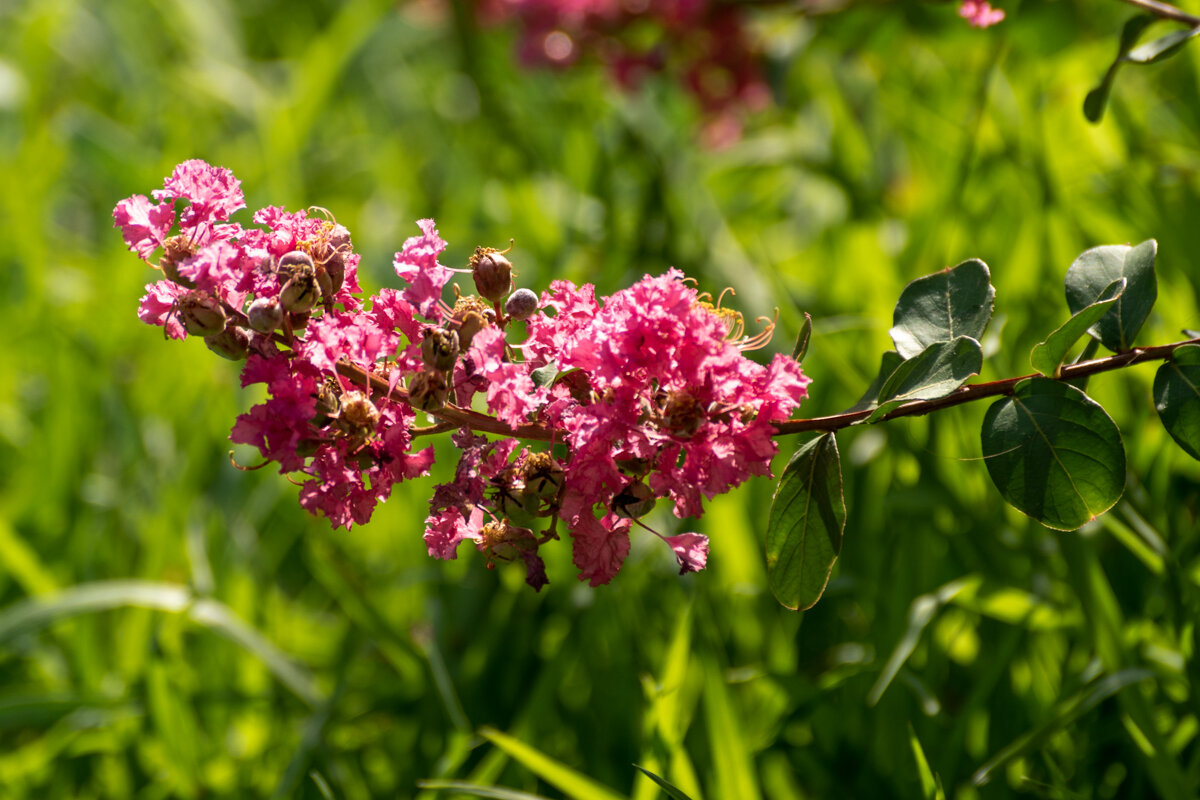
(643, 396)
(980, 14)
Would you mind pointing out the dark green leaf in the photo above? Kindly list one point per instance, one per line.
(1177, 397)
(1162, 48)
(943, 306)
(674, 792)
(936, 372)
(1090, 275)
(801, 347)
(1054, 453)
(887, 365)
(544, 377)
(807, 519)
(1048, 356)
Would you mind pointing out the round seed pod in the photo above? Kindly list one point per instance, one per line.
(201, 314)
(521, 304)
(439, 349)
(265, 314)
(428, 390)
(231, 343)
(359, 411)
(492, 273)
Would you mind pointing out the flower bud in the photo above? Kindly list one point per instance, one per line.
(492, 273)
(359, 411)
(634, 501)
(176, 249)
(230, 343)
(265, 314)
(428, 390)
(201, 314)
(521, 304)
(439, 349)
(295, 261)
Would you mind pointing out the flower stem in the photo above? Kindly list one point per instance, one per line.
(1165, 11)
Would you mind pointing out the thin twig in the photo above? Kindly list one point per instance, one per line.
(1166, 11)
(453, 416)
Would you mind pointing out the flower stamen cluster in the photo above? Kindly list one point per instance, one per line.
(645, 395)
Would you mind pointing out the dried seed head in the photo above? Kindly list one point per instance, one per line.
(635, 500)
(439, 349)
(521, 304)
(176, 249)
(681, 414)
(492, 273)
(359, 411)
(231, 343)
(428, 390)
(469, 317)
(542, 475)
(265, 314)
(201, 313)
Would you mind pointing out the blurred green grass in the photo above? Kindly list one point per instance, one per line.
(200, 636)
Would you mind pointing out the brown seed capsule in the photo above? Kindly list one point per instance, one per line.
(265, 314)
(231, 343)
(681, 414)
(201, 313)
(439, 349)
(428, 390)
(492, 273)
(299, 294)
(634, 501)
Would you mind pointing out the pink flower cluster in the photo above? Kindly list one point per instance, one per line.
(704, 44)
(644, 396)
(979, 13)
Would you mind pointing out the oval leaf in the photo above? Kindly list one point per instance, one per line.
(1096, 269)
(1054, 453)
(936, 372)
(801, 348)
(804, 530)
(943, 306)
(1161, 48)
(1177, 398)
(1048, 356)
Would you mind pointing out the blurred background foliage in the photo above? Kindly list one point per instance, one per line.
(170, 627)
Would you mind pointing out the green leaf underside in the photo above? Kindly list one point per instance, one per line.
(1048, 356)
(887, 365)
(936, 372)
(1177, 398)
(801, 348)
(674, 792)
(545, 376)
(943, 306)
(1091, 274)
(1161, 48)
(806, 523)
(1054, 453)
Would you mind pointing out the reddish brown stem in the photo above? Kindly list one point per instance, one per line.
(453, 416)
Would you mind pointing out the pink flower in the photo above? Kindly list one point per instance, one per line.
(691, 550)
(158, 307)
(213, 192)
(143, 225)
(417, 263)
(979, 13)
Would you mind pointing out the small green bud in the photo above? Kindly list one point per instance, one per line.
(634, 501)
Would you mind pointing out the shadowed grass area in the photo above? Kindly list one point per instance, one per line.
(172, 627)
